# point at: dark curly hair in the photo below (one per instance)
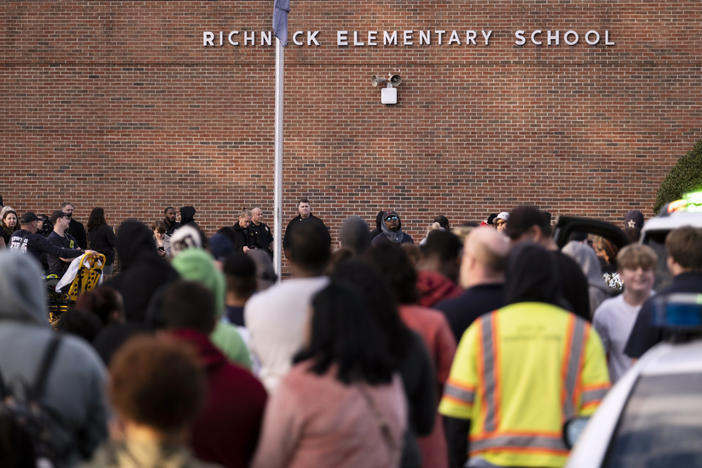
(397, 269)
(343, 334)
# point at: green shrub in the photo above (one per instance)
(685, 176)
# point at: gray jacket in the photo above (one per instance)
(75, 387)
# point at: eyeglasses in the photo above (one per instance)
(392, 218)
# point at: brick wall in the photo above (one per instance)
(118, 104)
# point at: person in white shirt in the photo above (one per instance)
(615, 317)
(276, 318)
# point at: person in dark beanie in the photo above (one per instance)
(528, 223)
(354, 235)
(142, 270)
(187, 218)
(633, 223)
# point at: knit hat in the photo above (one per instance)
(221, 246)
(503, 215)
(355, 234)
(183, 238)
(22, 291)
(634, 219)
(198, 265)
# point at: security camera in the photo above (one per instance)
(395, 80)
(377, 80)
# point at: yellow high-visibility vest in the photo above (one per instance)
(518, 375)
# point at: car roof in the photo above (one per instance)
(673, 221)
(678, 358)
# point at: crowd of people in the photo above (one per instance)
(470, 348)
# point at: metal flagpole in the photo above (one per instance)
(281, 8)
(278, 184)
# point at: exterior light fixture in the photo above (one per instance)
(388, 94)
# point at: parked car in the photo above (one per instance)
(652, 417)
(684, 212)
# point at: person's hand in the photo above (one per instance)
(245, 249)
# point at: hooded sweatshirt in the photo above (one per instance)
(75, 384)
(227, 429)
(142, 270)
(197, 265)
(586, 257)
(388, 235)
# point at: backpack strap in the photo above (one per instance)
(45, 366)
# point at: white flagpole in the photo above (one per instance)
(278, 190)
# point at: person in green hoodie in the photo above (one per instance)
(198, 265)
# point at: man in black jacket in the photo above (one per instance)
(263, 239)
(242, 237)
(58, 264)
(169, 219)
(27, 240)
(76, 229)
(304, 216)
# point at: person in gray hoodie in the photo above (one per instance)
(74, 389)
(586, 257)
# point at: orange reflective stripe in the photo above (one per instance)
(573, 359)
(457, 401)
(553, 435)
(566, 355)
(461, 385)
(498, 366)
(481, 365)
(534, 450)
(597, 386)
(581, 364)
(459, 393)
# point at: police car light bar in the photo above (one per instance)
(678, 311)
(691, 202)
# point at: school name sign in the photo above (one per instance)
(412, 38)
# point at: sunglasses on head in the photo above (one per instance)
(392, 218)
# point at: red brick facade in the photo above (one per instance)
(118, 104)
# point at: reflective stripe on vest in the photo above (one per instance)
(461, 394)
(572, 363)
(490, 377)
(594, 395)
(508, 441)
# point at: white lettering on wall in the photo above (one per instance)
(408, 38)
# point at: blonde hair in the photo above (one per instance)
(636, 255)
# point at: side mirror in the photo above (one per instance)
(572, 429)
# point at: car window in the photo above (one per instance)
(660, 425)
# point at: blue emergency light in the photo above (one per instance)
(678, 311)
